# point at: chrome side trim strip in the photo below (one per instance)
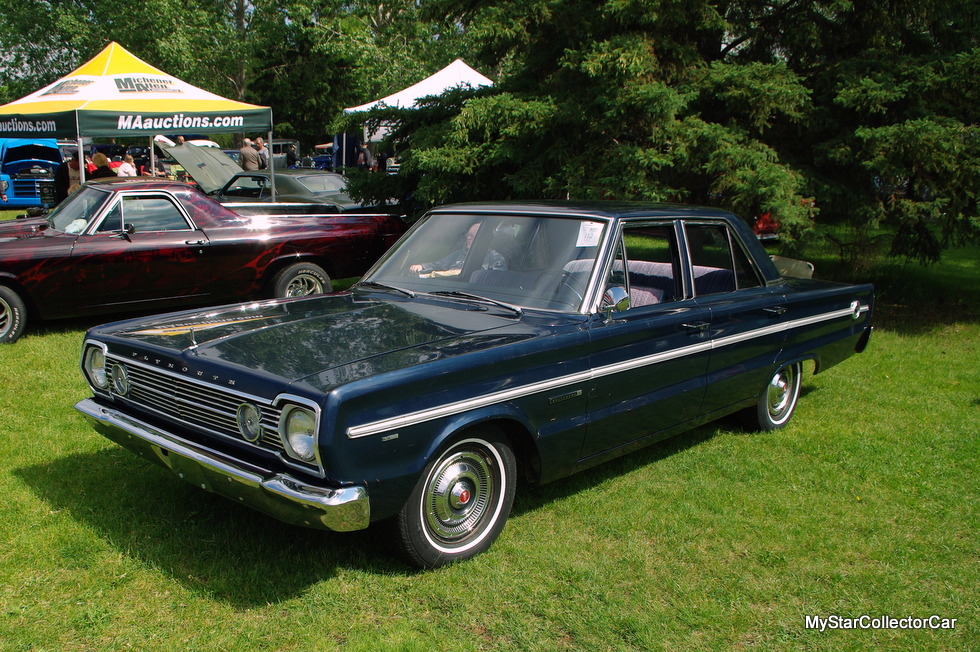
(384, 425)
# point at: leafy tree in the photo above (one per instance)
(866, 110)
(605, 100)
(305, 58)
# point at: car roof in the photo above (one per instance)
(605, 209)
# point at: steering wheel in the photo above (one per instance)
(567, 283)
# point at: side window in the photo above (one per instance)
(647, 264)
(113, 220)
(718, 262)
(152, 214)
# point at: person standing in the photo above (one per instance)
(127, 169)
(263, 153)
(249, 156)
(66, 178)
(102, 169)
(292, 158)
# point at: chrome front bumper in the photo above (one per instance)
(278, 495)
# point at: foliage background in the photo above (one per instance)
(819, 112)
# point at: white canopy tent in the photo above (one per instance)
(454, 75)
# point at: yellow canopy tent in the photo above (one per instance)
(118, 94)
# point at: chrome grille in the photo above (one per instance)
(26, 188)
(196, 404)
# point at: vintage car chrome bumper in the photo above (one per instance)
(280, 496)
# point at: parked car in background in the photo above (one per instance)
(493, 341)
(27, 167)
(224, 180)
(128, 244)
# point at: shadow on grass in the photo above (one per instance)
(214, 546)
(530, 498)
(203, 541)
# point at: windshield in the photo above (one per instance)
(323, 182)
(74, 213)
(531, 262)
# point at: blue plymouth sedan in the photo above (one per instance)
(494, 341)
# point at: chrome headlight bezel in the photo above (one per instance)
(299, 426)
(94, 366)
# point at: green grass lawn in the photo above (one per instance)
(866, 504)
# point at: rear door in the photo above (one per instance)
(746, 318)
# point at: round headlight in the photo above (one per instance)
(298, 426)
(94, 365)
(249, 422)
(120, 379)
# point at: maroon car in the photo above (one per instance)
(127, 245)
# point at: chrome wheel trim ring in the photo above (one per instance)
(6, 318)
(781, 393)
(450, 524)
(303, 285)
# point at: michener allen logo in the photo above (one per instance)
(68, 87)
(146, 85)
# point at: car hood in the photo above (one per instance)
(22, 229)
(211, 168)
(323, 341)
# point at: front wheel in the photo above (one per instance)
(300, 280)
(778, 400)
(13, 315)
(461, 502)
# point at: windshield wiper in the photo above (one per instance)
(476, 297)
(375, 284)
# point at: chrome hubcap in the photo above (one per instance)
(458, 495)
(6, 317)
(780, 393)
(303, 285)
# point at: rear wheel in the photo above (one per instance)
(461, 502)
(13, 315)
(300, 280)
(778, 400)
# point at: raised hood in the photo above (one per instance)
(211, 168)
(324, 340)
(22, 229)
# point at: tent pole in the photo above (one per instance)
(81, 160)
(272, 167)
(153, 159)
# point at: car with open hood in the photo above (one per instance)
(27, 169)
(494, 342)
(130, 244)
(221, 178)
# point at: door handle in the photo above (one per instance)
(775, 311)
(698, 326)
(195, 243)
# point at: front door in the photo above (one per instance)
(649, 360)
(143, 253)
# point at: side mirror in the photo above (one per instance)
(616, 299)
